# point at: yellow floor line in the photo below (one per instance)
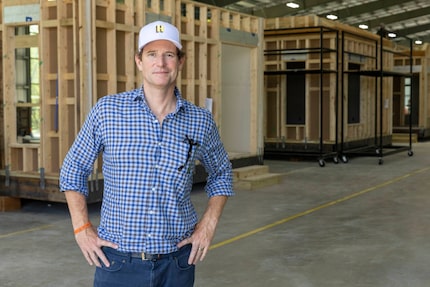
(269, 226)
(25, 231)
(309, 211)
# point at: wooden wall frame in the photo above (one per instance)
(87, 51)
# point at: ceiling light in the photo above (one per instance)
(292, 5)
(331, 17)
(363, 26)
(392, 35)
(418, 42)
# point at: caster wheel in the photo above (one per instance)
(321, 162)
(380, 161)
(336, 160)
(410, 153)
(344, 159)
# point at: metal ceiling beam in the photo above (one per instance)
(409, 33)
(425, 39)
(401, 17)
(405, 42)
(281, 10)
(387, 20)
(365, 8)
(413, 30)
(406, 16)
(219, 3)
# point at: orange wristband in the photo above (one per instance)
(82, 228)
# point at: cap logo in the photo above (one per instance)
(159, 29)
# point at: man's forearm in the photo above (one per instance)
(77, 204)
(214, 210)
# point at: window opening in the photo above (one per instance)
(354, 94)
(296, 83)
(27, 85)
(407, 91)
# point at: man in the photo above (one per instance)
(150, 139)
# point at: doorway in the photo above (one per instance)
(406, 101)
(236, 98)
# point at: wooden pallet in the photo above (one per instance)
(8, 203)
(254, 177)
(404, 138)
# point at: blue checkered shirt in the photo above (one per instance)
(147, 168)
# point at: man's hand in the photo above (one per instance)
(204, 231)
(87, 239)
(200, 240)
(91, 245)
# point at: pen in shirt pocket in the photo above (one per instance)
(191, 143)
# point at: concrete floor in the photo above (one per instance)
(358, 224)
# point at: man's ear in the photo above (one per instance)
(181, 62)
(138, 61)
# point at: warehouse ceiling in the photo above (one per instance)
(403, 17)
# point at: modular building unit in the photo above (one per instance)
(59, 57)
(328, 88)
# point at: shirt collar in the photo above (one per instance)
(140, 96)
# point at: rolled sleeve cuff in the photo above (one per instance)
(71, 179)
(221, 186)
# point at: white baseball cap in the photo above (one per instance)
(159, 30)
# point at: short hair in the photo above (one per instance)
(179, 53)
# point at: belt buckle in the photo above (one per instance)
(144, 256)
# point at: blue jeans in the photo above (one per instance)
(124, 270)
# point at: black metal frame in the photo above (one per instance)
(338, 150)
(320, 153)
(379, 74)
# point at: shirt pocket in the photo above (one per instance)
(175, 157)
(189, 159)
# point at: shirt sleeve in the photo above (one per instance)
(79, 161)
(217, 164)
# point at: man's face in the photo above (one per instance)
(159, 64)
